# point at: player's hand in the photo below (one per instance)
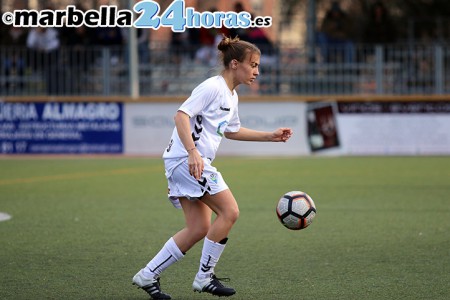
(196, 164)
(281, 135)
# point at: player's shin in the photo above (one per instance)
(168, 255)
(210, 256)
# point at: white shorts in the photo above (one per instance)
(182, 184)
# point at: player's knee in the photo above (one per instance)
(232, 215)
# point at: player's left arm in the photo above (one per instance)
(245, 134)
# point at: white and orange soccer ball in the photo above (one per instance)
(296, 210)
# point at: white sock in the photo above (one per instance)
(210, 256)
(168, 255)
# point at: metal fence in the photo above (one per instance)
(359, 69)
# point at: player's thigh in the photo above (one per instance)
(223, 204)
(196, 213)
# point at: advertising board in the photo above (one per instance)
(60, 128)
(148, 127)
(394, 128)
(144, 128)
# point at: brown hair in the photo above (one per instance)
(234, 48)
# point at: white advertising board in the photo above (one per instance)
(268, 117)
(148, 127)
(407, 128)
(327, 128)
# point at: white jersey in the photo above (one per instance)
(213, 110)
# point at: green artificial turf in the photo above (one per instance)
(82, 227)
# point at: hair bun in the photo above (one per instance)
(226, 42)
(234, 48)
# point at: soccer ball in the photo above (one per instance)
(296, 210)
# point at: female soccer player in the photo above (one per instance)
(210, 113)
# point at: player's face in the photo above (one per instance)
(248, 70)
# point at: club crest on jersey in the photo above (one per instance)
(213, 178)
(221, 128)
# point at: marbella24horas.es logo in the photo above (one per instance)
(145, 14)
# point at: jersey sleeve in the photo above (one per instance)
(235, 123)
(200, 98)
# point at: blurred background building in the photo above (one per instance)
(314, 47)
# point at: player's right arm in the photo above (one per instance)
(195, 161)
